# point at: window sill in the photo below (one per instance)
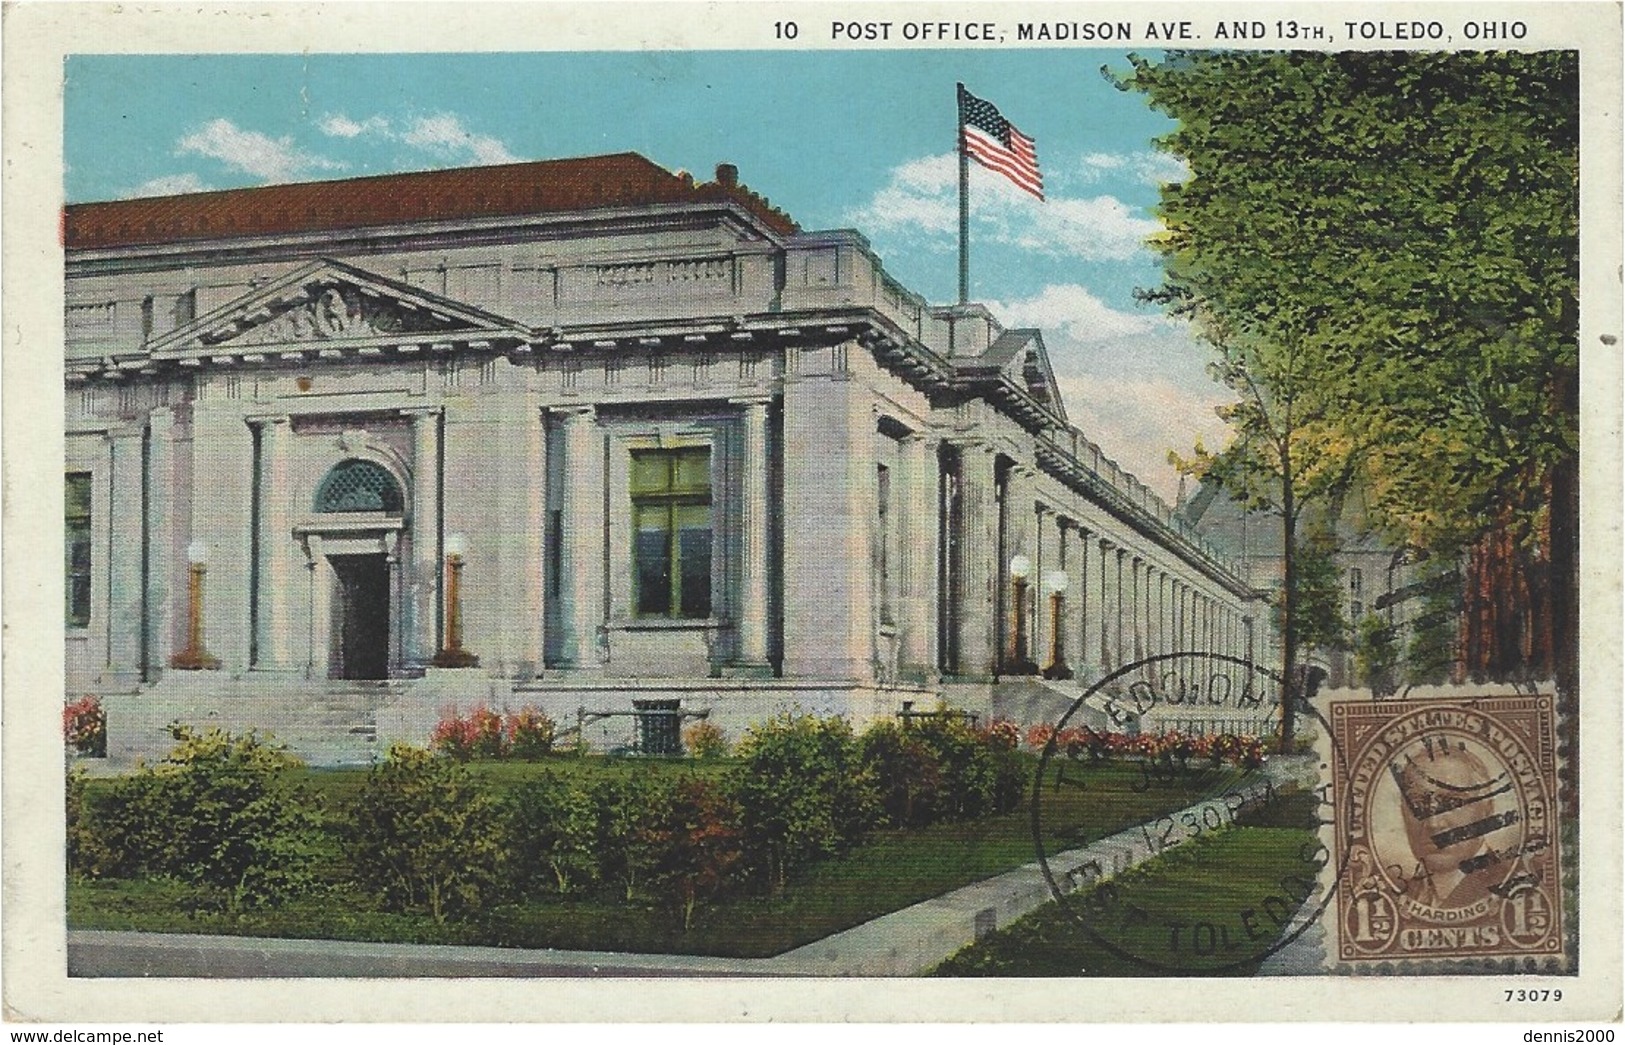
(77, 634)
(668, 624)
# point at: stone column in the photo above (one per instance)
(274, 531)
(583, 537)
(222, 471)
(1164, 638)
(978, 556)
(828, 520)
(511, 639)
(1079, 603)
(320, 581)
(753, 537)
(1123, 604)
(125, 596)
(917, 652)
(161, 524)
(1138, 622)
(424, 576)
(1043, 556)
(1109, 661)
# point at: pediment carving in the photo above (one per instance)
(335, 311)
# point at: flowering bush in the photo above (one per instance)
(1172, 747)
(529, 733)
(84, 727)
(453, 736)
(705, 739)
(698, 848)
(486, 726)
(1001, 734)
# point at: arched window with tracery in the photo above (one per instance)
(359, 486)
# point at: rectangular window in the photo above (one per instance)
(1355, 581)
(671, 517)
(76, 562)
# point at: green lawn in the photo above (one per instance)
(1215, 889)
(894, 869)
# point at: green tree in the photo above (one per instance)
(1318, 621)
(1376, 654)
(1383, 246)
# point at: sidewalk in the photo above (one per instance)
(903, 943)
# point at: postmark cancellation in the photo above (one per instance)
(1446, 834)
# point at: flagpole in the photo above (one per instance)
(964, 199)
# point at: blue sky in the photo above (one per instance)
(838, 139)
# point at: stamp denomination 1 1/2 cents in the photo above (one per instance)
(1446, 830)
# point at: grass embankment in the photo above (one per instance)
(1216, 889)
(894, 869)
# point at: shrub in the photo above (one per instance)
(698, 852)
(552, 828)
(803, 792)
(453, 736)
(1012, 771)
(627, 812)
(80, 840)
(969, 772)
(905, 771)
(217, 812)
(422, 833)
(529, 734)
(706, 739)
(84, 727)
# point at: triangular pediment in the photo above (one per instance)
(1023, 361)
(332, 304)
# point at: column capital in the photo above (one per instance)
(268, 419)
(573, 412)
(415, 412)
(763, 400)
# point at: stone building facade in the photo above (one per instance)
(666, 446)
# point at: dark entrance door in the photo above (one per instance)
(362, 632)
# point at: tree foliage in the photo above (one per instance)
(1383, 248)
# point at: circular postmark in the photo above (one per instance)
(1184, 719)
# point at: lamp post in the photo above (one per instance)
(1055, 582)
(194, 657)
(452, 654)
(1021, 568)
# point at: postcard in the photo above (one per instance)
(701, 511)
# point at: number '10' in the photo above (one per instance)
(785, 30)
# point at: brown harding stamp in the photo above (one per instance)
(1446, 830)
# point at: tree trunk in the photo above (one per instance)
(1289, 609)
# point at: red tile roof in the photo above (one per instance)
(543, 187)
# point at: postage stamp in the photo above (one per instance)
(538, 495)
(1447, 830)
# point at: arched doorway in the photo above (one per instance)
(353, 541)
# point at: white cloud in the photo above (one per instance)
(1136, 420)
(920, 201)
(445, 135)
(1136, 383)
(1150, 166)
(441, 134)
(271, 159)
(166, 185)
(338, 125)
(1074, 311)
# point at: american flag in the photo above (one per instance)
(991, 140)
